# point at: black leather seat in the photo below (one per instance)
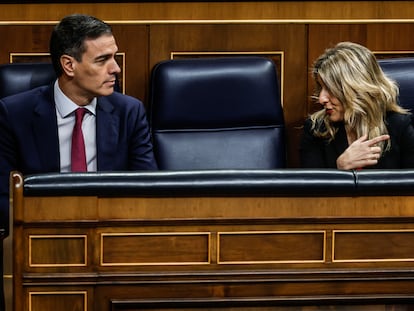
(402, 71)
(217, 113)
(19, 77)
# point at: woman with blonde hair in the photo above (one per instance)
(361, 124)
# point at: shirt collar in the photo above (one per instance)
(65, 106)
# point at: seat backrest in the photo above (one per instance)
(217, 113)
(19, 77)
(402, 71)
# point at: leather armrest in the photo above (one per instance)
(385, 182)
(284, 182)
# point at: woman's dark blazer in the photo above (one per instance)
(319, 153)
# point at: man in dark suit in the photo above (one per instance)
(36, 126)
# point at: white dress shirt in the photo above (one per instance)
(65, 112)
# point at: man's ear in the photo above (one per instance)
(68, 64)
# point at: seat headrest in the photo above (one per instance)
(20, 77)
(215, 92)
(402, 71)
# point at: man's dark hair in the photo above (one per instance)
(68, 37)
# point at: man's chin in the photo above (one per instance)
(106, 91)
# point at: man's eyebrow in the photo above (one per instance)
(103, 56)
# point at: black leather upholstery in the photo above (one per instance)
(402, 71)
(281, 182)
(385, 182)
(217, 113)
(19, 77)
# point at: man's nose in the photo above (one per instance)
(115, 67)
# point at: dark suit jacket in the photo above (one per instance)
(319, 153)
(29, 139)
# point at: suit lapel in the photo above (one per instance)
(46, 133)
(107, 125)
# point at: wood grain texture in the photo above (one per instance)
(217, 10)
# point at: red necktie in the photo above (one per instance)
(78, 156)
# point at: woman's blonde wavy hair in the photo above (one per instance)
(352, 74)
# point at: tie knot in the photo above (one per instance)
(80, 112)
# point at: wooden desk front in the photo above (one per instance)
(201, 253)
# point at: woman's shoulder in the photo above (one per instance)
(398, 121)
(398, 118)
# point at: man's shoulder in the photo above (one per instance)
(122, 97)
(26, 98)
(120, 101)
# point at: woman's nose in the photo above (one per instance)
(323, 97)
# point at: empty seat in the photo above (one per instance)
(217, 113)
